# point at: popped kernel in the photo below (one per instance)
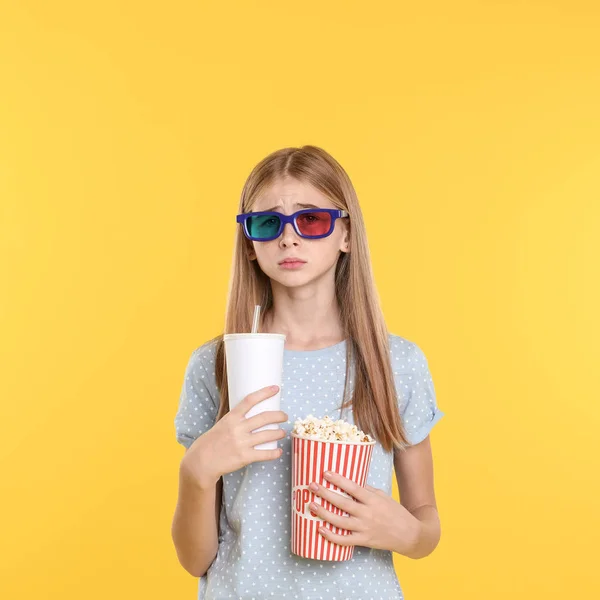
(327, 430)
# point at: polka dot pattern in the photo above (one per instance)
(254, 559)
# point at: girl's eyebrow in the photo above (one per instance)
(297, 204)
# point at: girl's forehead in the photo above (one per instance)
(291, 195)
(288, 190)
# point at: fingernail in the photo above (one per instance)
(314, 487)
(313, 506)
(327, 474)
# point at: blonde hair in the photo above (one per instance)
(374, 400)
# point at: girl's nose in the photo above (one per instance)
(288, 235)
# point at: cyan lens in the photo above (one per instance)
(263, 226)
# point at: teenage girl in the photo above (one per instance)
(301, 252)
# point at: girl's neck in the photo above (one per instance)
(306, 325)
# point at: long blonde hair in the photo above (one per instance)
(373, 401)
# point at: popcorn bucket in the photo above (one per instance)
(310, 458)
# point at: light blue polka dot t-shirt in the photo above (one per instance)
(254, 560)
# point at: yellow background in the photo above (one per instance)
(471, 131)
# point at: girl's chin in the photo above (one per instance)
(292, 278)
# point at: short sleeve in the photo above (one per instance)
(198, 402)
(416, 391)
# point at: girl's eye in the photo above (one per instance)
(309, 218)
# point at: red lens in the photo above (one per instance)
(314, 223)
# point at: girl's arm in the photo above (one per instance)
(414, 474)
(227, 446)
(195, 529)
(375, 519)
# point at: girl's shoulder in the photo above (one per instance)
(202, 364)
(406, 356)
(204, 355)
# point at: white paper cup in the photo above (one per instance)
(254, 361)
(310, 458)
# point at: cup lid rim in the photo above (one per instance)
(232, 336)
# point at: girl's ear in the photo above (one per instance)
(250, 250)
(346, 240)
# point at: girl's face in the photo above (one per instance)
(317, 257)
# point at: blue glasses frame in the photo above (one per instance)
(285, 219)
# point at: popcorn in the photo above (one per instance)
(327, 430)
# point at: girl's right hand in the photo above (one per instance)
(229, 444)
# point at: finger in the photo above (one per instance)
(355, 490)
(335, 498)
(264, 455)
(254, 398)
(266, 435)
(348, 523)
(265, 418)
(343, 540)
(372, 489)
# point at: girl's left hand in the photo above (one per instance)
(375, 519)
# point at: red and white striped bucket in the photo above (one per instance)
(309, 459)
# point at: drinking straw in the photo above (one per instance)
(256, 317)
